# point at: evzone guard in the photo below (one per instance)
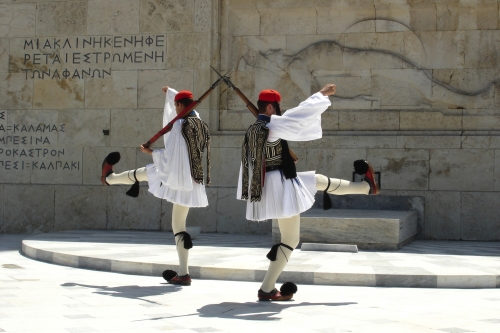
(272, 187)
(176, 173)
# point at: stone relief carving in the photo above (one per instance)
(386, 67)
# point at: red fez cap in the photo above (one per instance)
(183, 94)
(269, 95)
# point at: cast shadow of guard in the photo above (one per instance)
(131, 292)
(249, 310)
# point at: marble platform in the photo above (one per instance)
(368, 229)
(237, 257)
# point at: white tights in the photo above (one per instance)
(179, 213)
(290, 227)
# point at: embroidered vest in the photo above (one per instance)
(197, 137)
(262, 154)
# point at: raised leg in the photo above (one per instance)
(127, 177)
(341, 186)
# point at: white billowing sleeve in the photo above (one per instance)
(172, 162)
(169, 111)
(302, 123)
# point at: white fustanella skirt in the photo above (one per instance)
(197, 197)
(282, 197)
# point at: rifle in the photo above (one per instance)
(249, 105)
(182, 114)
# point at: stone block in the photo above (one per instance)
(61, 165)
(4, 55)
(166, 216)
(235, 120)
(401, 169)
(162, 16)
(84, 127)
(374, 50)
(205, 217)
(16, 92)
(351, 141)
(392, 12)
(58, 94)
(414, 51)
(447, 15)
(333, 163)
(202, 15)
(482, 49)
(442, 214)
(112, 17)
(479, 216)
(284, 21)
(43, 125)
(225, 166)
(368, 120)
(350, 83)
(245, 51)
(447, 49)
(461, 169)
(190, 51)
(496, 174)
(368, 229)
(401, 87)
(244, 22)
(480, 141)
(116, 91)
(28, 208)
(2, 224)
(329, 247)
(141, 55)
(487, 16)
(423, 16)
(18, 20)
(124, 212)
(61, 18)
(429, 142)
(481, 122)
(338, 19)
(150, 83)
(231, 215)
(132, 127)
(94, 156)
(80, 207)
(431, 120)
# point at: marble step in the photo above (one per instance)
(367, 229)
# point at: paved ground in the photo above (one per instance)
(40, 297)
(425, 264)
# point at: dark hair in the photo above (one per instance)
(185, 101)
(262, 105)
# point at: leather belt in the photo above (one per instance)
(274, 167)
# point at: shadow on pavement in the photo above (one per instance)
(248, 310)
(132, 292)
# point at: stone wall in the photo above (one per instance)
(417, 96)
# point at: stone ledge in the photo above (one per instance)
(368, 229)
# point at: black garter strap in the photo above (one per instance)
(134, 190)
(274, 251)
(327, 202)
(186, 238)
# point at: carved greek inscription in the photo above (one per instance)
(27, 147)
(58, 56)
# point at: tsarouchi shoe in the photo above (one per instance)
(107, 165)
(184, 280)
(362, 167)
(273, 295)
